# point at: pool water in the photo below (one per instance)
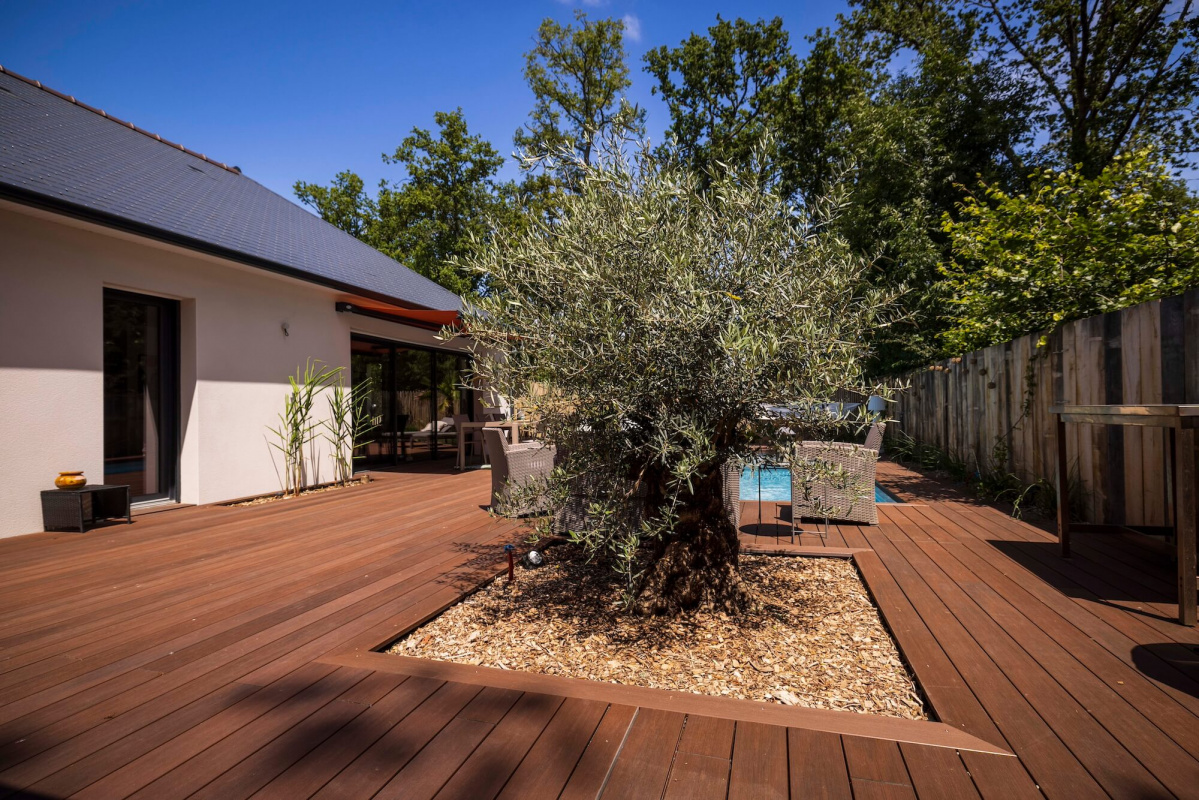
(776, 486)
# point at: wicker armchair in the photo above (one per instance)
(874, 438)
(839, 480)
(515, 465)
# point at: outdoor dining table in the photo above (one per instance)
(512, 425)
(1182, 422)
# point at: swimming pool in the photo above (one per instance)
(776, 486)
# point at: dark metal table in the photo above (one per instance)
(75, 509)
(1182, 422)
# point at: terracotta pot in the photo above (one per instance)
(70, 480)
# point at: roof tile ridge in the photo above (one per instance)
(70, 99)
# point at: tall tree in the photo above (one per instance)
(578, 74)
(911, 127)
(727, 93)
(343, 203)
(898, 93)
(1013, 88)
(446, 206)
(1109, 73)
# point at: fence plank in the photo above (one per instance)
(1154, 439)
(1134, 476)
(1141, 355)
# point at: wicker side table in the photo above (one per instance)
(76, 509)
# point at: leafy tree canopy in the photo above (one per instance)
(916, 99)
(646, 327)
(728, 92)
(1108, 74)
(1071, 247)
(343, 203)
(578, 75)
(448, 204)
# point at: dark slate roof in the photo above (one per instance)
(57, 151)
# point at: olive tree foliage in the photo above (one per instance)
(646, 328)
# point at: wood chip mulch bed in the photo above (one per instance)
(817, 639)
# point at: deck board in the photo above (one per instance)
(759, 769)
(644, 762)
(215, 652)
(817, 765)
(549, 764)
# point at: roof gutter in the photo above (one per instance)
(103, 218)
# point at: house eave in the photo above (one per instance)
(65, 208)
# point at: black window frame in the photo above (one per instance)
(393, 345)
(170, 436)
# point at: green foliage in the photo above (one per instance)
(911, 128)
(915, 131)
(343, 203)
(915, 99)
(447, 206)
(1069, 248)
(448, 203)
(297, 429)
(1108, 75)
(647, 326)
(927, 97)
(727, 93)
(578, 76)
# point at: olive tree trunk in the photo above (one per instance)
(696, 567)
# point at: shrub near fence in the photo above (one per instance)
(1001, 395)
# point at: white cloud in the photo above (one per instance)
(632, 27)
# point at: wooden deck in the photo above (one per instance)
(227, 653)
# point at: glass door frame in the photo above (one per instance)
(169, 437)
(391, 411)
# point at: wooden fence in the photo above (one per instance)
(1001, 396)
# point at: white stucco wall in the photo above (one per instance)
(235, 358)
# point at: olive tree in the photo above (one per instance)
(646, 328)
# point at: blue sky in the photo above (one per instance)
(302, 90)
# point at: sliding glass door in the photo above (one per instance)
(414, 399)
(371, 368)
(141, 394)
(414, 394)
